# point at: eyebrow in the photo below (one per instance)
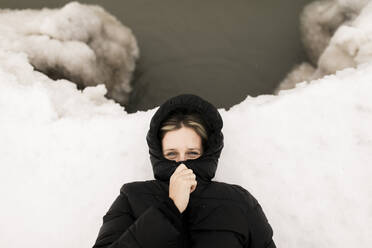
(172, 149)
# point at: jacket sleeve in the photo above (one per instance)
(261, 233)
(158, 226)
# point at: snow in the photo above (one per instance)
(79, 42)
(305, 154)
(337, 34)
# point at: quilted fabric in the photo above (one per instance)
(218, 215)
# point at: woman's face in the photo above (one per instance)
(182, 144)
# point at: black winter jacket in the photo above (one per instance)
(218, 214)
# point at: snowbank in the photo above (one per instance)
(81, 43)
(336, 34)
(64, 154)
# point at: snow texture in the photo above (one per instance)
(305, 154)
(81, 43)
(336, 34)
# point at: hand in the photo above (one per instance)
(181, 184)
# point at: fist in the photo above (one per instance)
(181, 184)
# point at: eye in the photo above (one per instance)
(170, 154)
(194, 153)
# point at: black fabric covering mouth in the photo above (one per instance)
(205, 166)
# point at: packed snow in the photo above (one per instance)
(337, 34)
(79, 42)
(305, 154)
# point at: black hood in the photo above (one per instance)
(205, 166)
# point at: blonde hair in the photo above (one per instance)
(178, 120)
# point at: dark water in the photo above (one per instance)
(220, 49)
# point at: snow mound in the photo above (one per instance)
(79, 42)
(336, 34)
(64, 154)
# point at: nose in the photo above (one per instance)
(181, 157)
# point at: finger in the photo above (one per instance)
(186, 177)
(192, 182)
(193, 186)
(181, 167)
(191, 176)
(186, 172)
(183, 172)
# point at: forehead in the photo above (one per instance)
(183, 138)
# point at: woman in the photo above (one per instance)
(182, 207)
